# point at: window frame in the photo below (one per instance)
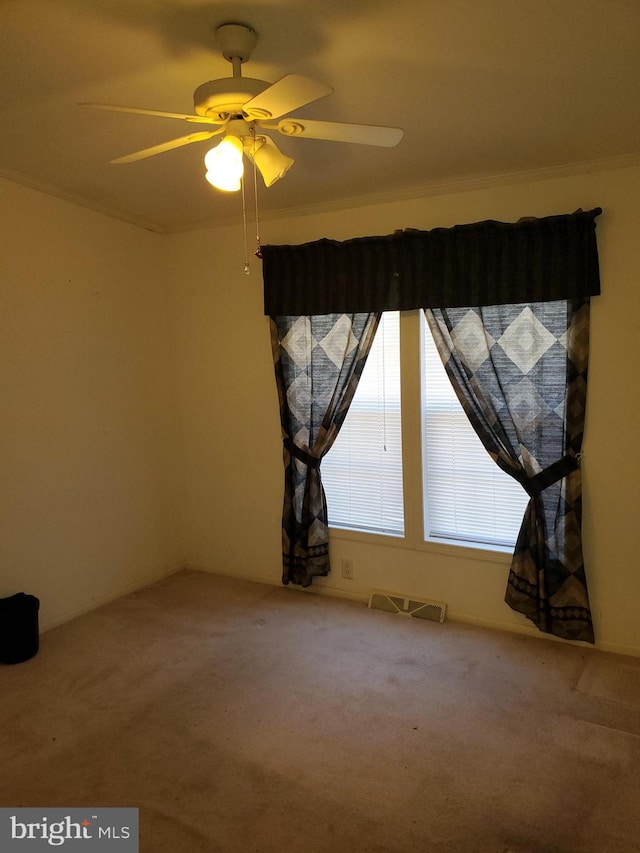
(412, 327)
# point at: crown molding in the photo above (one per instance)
(440, 189)
(80, 201)
(602, 164)
(468, 185)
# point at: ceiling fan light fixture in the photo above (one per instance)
(271, 162)
(224, 164)
(235, 106)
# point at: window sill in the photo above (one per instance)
(447, 547)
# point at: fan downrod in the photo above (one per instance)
(220, 99)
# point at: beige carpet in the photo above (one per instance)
(242, 717)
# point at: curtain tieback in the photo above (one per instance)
(302, 455)
(552, 474)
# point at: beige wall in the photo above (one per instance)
(139, 415)
(228, 404)
(87, 432)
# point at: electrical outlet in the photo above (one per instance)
(347, 569)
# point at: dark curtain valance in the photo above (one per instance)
(485, 263)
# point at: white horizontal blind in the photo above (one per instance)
(467, 496)
(362, 473)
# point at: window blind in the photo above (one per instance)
(468, 497)
(362, 473)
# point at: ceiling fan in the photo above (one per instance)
(242, 108)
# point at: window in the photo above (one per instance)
(465, 497)
(362, 473)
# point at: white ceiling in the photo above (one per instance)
(482, 88)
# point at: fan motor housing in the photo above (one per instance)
(221, 98)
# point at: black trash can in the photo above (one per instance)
(19, 632)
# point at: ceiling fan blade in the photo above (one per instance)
(335, 131)
(285, 95)
(167, 146)
(139, 111)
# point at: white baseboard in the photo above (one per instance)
(147, 580)
(531, 631)
(322, 588)
(619, 649)
(241, 576)
(513, 627)
(318, 588)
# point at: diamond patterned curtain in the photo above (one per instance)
(318, 363)
(520, 372)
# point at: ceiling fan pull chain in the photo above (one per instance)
(247, 268)
(258, 252)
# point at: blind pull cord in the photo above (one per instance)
(384, 391)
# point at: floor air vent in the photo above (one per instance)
(434, 611)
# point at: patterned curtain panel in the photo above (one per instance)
(318, 363)
(520, 372)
